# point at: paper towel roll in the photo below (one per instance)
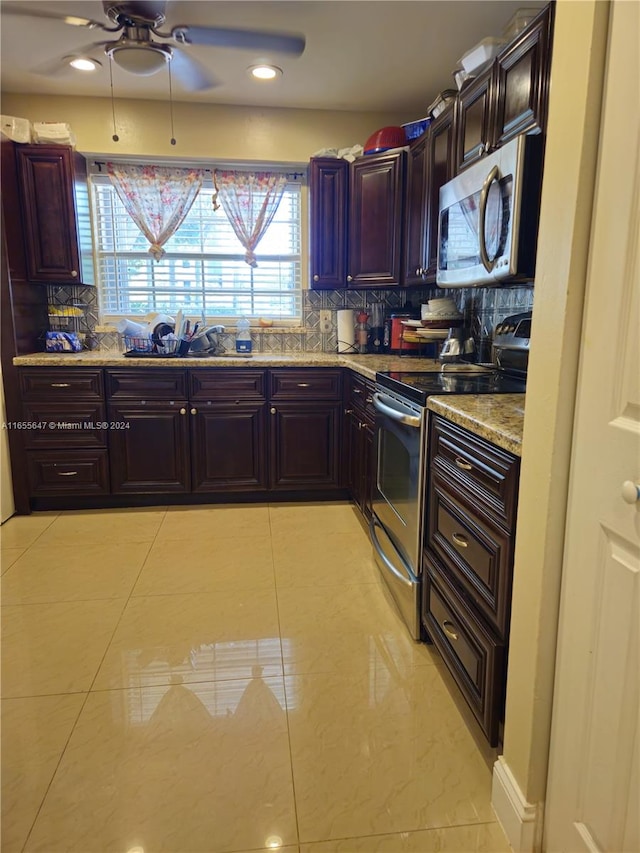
(346, 331)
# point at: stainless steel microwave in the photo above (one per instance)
(488, 218)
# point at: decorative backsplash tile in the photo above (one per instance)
(483, 309)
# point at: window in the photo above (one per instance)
(203, 270)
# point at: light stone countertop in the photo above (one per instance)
(497, 417)
(365, 365)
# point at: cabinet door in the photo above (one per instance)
(376, 207)
(473, 123)
(416, 213)
(440, 169)
(49, 214)
(305, 445)
(228, 446)
(328, 188)
(522, 82)
(151, 454)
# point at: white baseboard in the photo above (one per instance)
(520, 820)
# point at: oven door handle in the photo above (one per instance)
(408, 420)
(374, 539)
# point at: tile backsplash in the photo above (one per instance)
(483, 309)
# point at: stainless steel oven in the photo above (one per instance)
(400, 488)
(396, 524)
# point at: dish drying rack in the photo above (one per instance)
(150, 348)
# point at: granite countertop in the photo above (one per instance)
(497, 417)
(365, 365)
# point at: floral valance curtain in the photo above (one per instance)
(250, 200)
(157, 198)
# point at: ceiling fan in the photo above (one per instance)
(137, 51)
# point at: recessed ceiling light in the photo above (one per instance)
(264, 72)
(83, 63)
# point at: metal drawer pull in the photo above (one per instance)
(462, 464)
(183, 411)
(303, 384)
(460, 540)
(451, 634)
(357, 391)
(66, 473)
(60, 384)
(194, 411)
(369, 399)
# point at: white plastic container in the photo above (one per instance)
(17, 129)
(519, 22)
(243, 336)
(482, 53)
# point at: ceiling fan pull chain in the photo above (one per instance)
(115, 136)
(173, 141)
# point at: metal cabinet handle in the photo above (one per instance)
(61, 385)
(630, 492)
(316, 278)
(460, 540)
(451, 634)
(348, 411)
(304, 384)
(369, 399)
(66, 473)
(466, 466)
(349, 278)
(74, 274)
(357, 391)
(183, 411)
(194, 411)
(273, 411)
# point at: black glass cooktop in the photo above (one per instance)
(418, 386)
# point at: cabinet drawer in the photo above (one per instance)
(71, 425)
(61, 384)
(474, 657)
(155, 384)
(312, 383)
(225, 383)
(59, 472)
(362, 396)
(486, 472)
(475, 550)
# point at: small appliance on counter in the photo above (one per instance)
(510, 348)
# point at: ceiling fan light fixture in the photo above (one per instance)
(142, 59)
(264, 72)
(84, 63)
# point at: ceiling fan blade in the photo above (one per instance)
(26, 11)
(190, 72)
(247, 39)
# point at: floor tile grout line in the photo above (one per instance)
(86, 698)
(44, 529)
(438, 828)
(284, 683)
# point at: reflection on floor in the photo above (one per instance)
(223, 680)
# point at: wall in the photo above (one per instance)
(563, 240)
(201, 130)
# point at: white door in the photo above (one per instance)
(593, 795)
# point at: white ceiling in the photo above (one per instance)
(360, 54)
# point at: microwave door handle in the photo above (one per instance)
(484, 195)
(408, 420)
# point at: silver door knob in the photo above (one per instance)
(630, 492)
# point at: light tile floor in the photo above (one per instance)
(223, 680)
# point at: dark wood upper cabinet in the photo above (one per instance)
(522, 81)
(55, 214)
(474, 119)
(328, 190)
(376, 208)
(440, 169)
(416, 212)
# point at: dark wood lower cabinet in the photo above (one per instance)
(149, 450)
(228, 447)
(176, 431)
(305, 445)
